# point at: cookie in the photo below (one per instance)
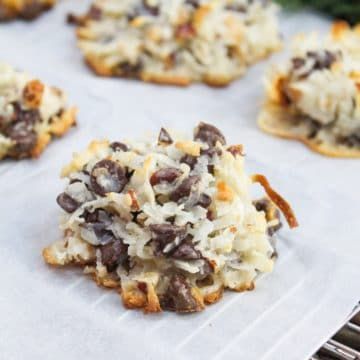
(24, 9)
(177, 42)
(31, 114)
(169, 223)
(315, 96)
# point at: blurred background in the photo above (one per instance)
(348, 10)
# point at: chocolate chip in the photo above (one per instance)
(167, 175)
(67, 203)
(104, 236)
(184, 189)
(171, 219)
(270, 214)
(209, 134)
(206, 281)
(25, 140)
(153, 10)
(297, 62)
(323, 59)
(24, 117)
(275, 254)
(32, 10)
(320, 60)
(204, 200)
(94, 13)
(25, 122)
(189, 160)
(113, 254)
(98, 222)
(119, 146)
(314, 128)
(107, 176)
(164, 234)
(99, 217)
(313, 54)
(262, 205)
(3, 122)
(194, 3)
(211, 169)
(351, 141)
(133, 13)
(178, 296)
(273, 229)
(210, 215)
(129, 70)
(207, 268)
(186, 251)
(142, 286)
(74, 19)
(21, 130)
(237, 8)
(129, 173)
(164, 137)
(236, 150)
(185, 31)
(30, 117)
(210, 152)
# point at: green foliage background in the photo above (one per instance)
(343, 9)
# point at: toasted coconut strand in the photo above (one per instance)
(134, 202)
(69, 251)
(214, 296)
(153, 304)
(107, 280)
(279, 201)
(133, 298)
(195, 292)
(245, 287)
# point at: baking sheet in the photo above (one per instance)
(60, 314)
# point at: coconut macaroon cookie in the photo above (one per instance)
(315, 96)
(24, 9)
(31, 113)
(169, 223)
(177, 41)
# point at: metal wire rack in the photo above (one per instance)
(345, 344)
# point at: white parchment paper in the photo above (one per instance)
(60, 314)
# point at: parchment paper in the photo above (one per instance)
(61, 314)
